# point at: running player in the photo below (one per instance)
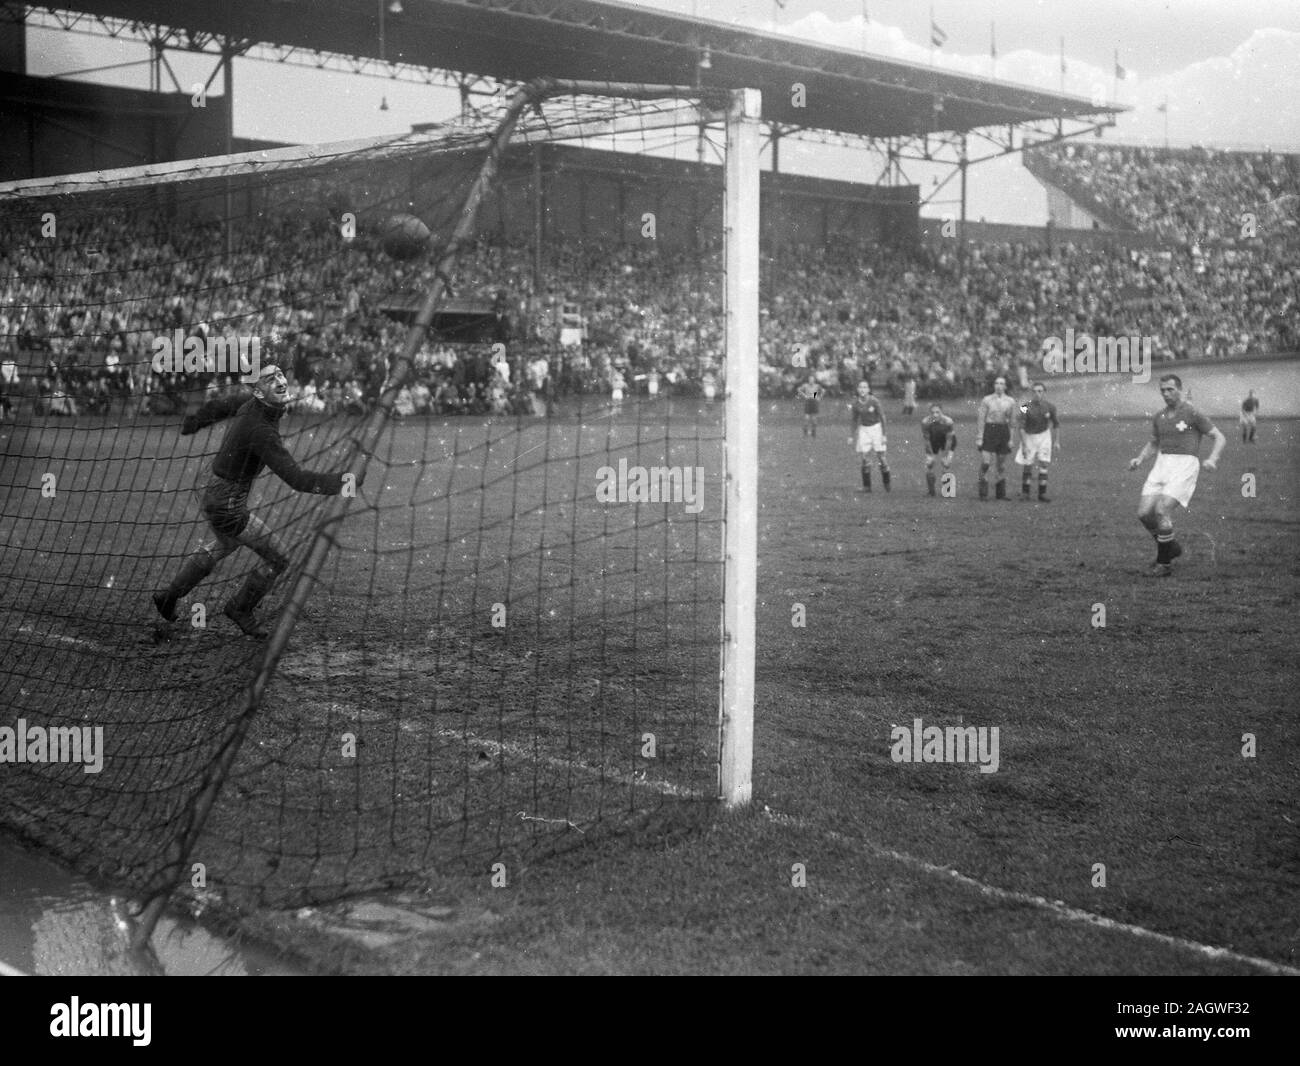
(1176, 434)
(997, 414)
(1040, 440)
(251, 443)
(939, 433)
(867, 419)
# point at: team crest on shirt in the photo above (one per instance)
(1181, 426)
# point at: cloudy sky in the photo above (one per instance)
(1228, 69)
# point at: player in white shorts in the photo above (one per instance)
(868, 421)
(1040, 440)
(1176, 434)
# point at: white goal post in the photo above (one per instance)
(740, 550)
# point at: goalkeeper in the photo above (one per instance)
(251, 443)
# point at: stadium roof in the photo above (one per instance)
(516, 40)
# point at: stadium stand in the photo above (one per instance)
(78, 318)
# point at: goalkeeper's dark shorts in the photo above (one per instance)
(225, 506)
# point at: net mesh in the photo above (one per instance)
(512, 645)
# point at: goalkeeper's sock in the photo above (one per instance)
(195, 569)
(240, 608)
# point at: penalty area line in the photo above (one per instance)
(520, 751)
(1056, 907)
(29, 631)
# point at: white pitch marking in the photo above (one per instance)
(29, 631)
(522, 752)
(1054, 906)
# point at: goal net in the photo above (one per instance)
(505, 338)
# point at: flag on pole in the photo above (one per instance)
(937, 37)
(993, 42)
(1062, 55)
(1120, 72)
(1163, 107)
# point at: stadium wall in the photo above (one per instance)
(931, 230)
(600, 197)
(54, 126)
(1217, 388)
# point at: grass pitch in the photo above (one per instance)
(1121, 746)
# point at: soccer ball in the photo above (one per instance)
(404, 236)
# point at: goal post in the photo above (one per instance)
(741, 227)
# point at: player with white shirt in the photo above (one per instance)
(993, 425)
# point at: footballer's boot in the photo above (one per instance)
(1000, 490)
(984, 489)
(1160, 570)
(240, 608)
(195, 569)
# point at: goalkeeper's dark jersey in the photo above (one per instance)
(253, 442)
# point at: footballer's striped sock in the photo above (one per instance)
(1024, 480)
(929, 481)
(1042, 484)
(866, 477)
(1164, 545)
(884, 476)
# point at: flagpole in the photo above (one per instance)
(1062, 64)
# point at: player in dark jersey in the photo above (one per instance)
(1040, 440)
(1249, 417)
(939, 434)
(1176, 434)
(867, 419)
(252, 443)
(810, 392)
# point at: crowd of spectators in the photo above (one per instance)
(89, 308)
(1187, 196)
